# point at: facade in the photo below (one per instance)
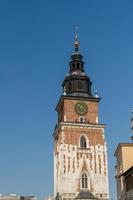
(27, 198)
(16, 197)
(9, 197)
(128, 181)
(124, 169)
(80, 150)
(124, 161)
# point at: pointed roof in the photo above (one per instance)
(77, 83)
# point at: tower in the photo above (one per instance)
(80, 150)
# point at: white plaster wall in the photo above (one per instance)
(68, 182)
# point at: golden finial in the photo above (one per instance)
(76, 42)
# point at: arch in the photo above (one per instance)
(83, 143)
(84, 181)
(77, 65)
(73, 64)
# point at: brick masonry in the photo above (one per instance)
(70, 160)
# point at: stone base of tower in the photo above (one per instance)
(83, 194)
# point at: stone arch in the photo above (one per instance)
(83, 141)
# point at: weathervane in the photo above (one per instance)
(76, 42)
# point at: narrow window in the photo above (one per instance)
(73, 66)
(81, 119)
(69, 86)
(83, 142)
(77, 65)
(84, 181)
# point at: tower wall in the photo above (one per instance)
(71, 161)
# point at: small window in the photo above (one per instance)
(81, 119)
(84, 181)
(82, 142)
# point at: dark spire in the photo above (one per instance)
(76, 63)
(77, 83)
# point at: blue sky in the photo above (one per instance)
(36, 41)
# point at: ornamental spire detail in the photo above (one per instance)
(76, 42)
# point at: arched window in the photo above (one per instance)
(73, 66)
(84, 181)
(82, 142)
(77, 65)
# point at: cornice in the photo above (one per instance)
(77, 125)
(90, 98)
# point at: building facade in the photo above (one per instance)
(80, 149)
(124, 161)
(128, 181)
(16, 197)
(124, 169)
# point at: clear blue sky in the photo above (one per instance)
(36, 41)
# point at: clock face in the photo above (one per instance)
(81, 108)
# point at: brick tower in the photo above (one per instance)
(80, 152)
